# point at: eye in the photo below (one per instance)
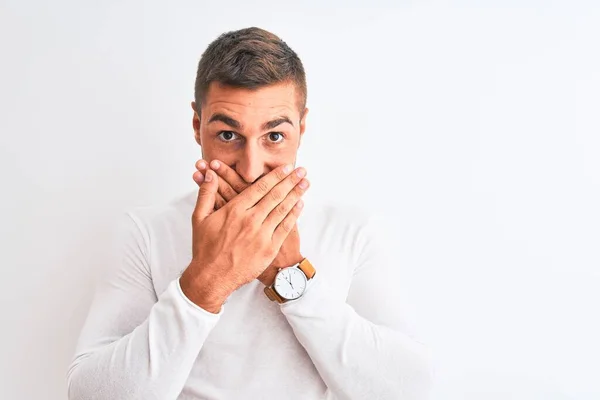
(276, 137)
(227, 136)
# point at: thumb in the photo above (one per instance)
(206, 196)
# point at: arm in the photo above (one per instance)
(360, 347)
(134, 345)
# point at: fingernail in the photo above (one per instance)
(287, 169)
(202, 165)
(215, 164)
(208, 177)
(303, 184)
(301, 172)
(300, 203)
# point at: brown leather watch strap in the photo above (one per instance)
(273, 296)
(307, 268)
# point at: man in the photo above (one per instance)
(238, 307)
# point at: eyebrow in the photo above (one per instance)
(225, 119)
(276, 122)
(236, 125)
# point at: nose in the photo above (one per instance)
(251, 165)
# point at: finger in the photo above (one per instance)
(206, 197)
(258, 190)
(229, 175)
(286, 226)
(278, 194)
(225, 188)
(198, 177)
(201, 165)
(226, 191)
(219, 201)
(280, 212)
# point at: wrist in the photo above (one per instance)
(268, 276)
(202, 290)
(286, 260)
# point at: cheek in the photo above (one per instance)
(216, 151)
(275, 159)
(287, 153)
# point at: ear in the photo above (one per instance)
(302, 124)
(196, 124)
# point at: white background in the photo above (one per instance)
(474, 125)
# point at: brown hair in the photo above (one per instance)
(249, 58)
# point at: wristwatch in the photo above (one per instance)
(291, 282)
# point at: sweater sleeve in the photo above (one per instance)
(361, 346)
(135, 344)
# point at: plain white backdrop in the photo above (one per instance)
(474, 126)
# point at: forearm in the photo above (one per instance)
(356, 358)
(151, 362)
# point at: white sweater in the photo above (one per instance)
(344, 339)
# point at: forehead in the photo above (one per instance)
(261, 102)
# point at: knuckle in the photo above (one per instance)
(276, 194)
(225, 173)
(196, 218)
(269, 253)
(281, 210)
(239, 187)
(252, 221)
(264, 239)
(204, 190)
(280, 174)
(235, 212)
(234, 203)
(294, 211)
(229, 193)
(262, 187)
(260, 243)
(286, 226)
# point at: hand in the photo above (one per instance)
(230, 185)
(234, 245)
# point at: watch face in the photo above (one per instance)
(290, 283)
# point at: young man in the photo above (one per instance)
(237, 307)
